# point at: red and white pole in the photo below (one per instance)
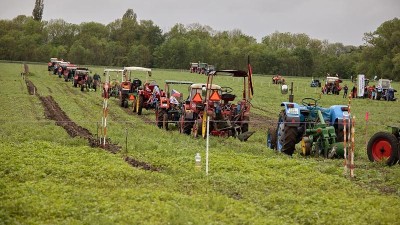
(352, 146)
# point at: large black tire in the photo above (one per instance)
(140, 105)
(186, 126)
(286, 138)
(339, 132)
(134, 105)
(245, 125)
(378, 96)
(159, 118)
(271, 137)
(165, 120)
(383, 145)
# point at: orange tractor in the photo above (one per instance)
(210, 100)
(168, 109)
(278, 79)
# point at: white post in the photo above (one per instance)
(208, 137)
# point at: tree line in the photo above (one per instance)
(128, 41)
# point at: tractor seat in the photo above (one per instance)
(136, 82)
(228, 97)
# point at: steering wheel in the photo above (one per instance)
(309, 102)
(226, 89)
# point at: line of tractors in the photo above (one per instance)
(80, 76)
(319, 130)
(227, 119)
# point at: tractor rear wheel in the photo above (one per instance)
(245, 124)
(165, 120)
(186, 126)
(286, 138)
(159, 118)
(383, 146)
(140, 105)
(378, 95)
(271, 137)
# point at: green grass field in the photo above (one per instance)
(47, 177)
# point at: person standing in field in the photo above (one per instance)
(345, 88)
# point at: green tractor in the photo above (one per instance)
(318, 129)
(320, 139)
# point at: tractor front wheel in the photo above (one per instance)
(134, 108)
(383, 146)
(140, 105)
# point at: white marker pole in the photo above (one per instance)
(208, 137)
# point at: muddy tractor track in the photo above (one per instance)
(31, 87)
(53, 111)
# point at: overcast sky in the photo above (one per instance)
(343, 21)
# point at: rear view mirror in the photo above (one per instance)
(284, 89)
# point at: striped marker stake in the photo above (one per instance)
(366, 128)
(345, 144)
(352, 146)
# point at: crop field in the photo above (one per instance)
(50, 173)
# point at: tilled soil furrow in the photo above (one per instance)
(53, 111)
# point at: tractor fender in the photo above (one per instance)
(292, 114)
(337, 112)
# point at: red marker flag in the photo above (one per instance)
(250, 78)
(366, 116)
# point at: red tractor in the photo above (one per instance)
(169, 107)
(145, 96)
(129, 88)
(81, 77)
(148, 96)
(210, 100)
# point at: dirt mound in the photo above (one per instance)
(53, 111)
(136, 163)
(31, 87)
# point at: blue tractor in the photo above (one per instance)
(320, 130)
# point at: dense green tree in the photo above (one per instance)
(128, 41)
(381, 55)
(37, 12)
